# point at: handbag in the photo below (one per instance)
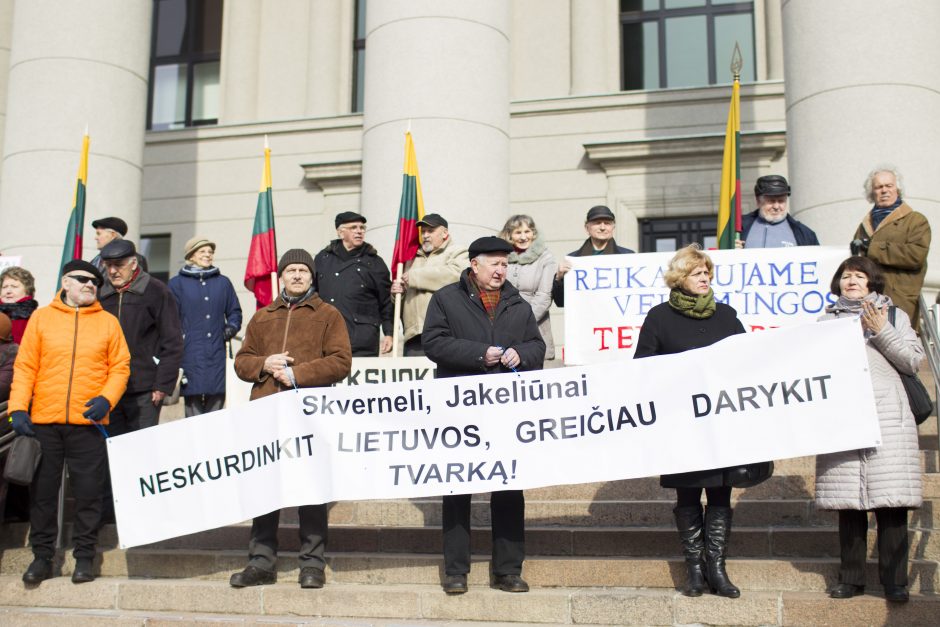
(748, 475)
(22, 460)
(917, 396)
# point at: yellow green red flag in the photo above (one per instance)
(410, 210)
(262, 253)
(729, 206)
(72, 249)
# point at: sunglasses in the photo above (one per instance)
(81, 278)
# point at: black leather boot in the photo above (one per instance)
(717, 533)
(689, 524)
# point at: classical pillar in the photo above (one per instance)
(860, 93)
(241, 41)
(329, 77)
(773, 32)
(595, 63)
(72, 64)
(442, 67)
(6, 30)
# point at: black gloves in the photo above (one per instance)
(859, 246)
(229, 333)
(98, 408)
(22, 425)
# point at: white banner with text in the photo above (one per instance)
(608, 296)
(753, 397)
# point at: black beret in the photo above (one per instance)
(489, 244)
(348, 216)
(600, 212)
(78, 264)
(432, 220)
(115, 224)
(772, 185)
(118, 249)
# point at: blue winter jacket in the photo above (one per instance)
(207, 304)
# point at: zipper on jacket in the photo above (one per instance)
(290, 308)
(120, 302)
(68, 394)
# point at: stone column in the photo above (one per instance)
(6, 31)
(241, 41)
(443, 67)
(773, 32)
(72, 64)
(595, 63)
(858, 97)
(329, 62)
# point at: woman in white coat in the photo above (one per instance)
(531, 271)
(885, 479)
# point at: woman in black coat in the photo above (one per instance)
(692, 319)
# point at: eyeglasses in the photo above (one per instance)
(81, 278)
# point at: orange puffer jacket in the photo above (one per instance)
(68, 356)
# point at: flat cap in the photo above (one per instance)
(195, 243)
(600, 212)
(295, 255)
(84, 266)
(118, 249)
(432, 221)
(115, 224)
(348, 216)
(772, 185)
(489, 244)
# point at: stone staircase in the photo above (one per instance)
(598, 554)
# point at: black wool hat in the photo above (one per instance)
(489, 244)
(118, 249)
(295, 255)
(772, 185)
(348, 216)
(600, 212)
(115, 224)
(84, 266)
(432, 221)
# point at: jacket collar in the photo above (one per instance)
(508, 290)
(138, 286)
(438, 251)
(587, 248)
(530, 255)
(59, 304)
(902, 211)
(336, 247)
(313, 301)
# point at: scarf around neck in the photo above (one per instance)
(878, 214)
(698, 307)
(293, 300)
(198, 272)
(851, 306)
(530, 255)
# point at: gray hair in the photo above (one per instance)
(870, 179)
(515, 222)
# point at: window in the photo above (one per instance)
(684, 43)
(184, 63)
(671, 234)
(156, 248)
(359, 57)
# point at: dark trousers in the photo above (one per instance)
(893, 545)
(83, 449)
(507, 511)
(716, 497)
(133, 412)
(262, 548)
(413, 347)
(202, 404)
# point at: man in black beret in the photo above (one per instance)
(352, 277)
(771, 225)
(481, 325)
(108, 230)
(599, 224)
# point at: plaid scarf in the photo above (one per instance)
(490, 299)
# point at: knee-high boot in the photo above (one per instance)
(689, 524)
(717, 533)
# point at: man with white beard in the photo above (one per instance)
(771, 225)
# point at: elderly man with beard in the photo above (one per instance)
(296, 341)
(352, 277)
(71, 370)
(439, 262)
(771, 225)
(482, 325)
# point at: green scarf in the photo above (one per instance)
(698, 307)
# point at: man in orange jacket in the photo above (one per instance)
(72, 367)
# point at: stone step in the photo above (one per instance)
(426, 569)
(138, 602)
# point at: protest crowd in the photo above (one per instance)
(115, 342)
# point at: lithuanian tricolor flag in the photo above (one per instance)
(410, 210)
(72, 249)
(729, 207)
(262, 254)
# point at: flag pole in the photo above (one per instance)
(396, 320)
(275, 287)
(737, 62)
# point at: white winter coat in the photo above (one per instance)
(888, 475)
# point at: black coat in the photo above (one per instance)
(803, 235)
(587, 248)
(457, 330)
(357, 283)
(665, 331)
(150, 320)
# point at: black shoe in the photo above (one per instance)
(897, 594)
(717, 535)
(455, 584)
(38, 571)
(311, 577)
(847, 591)
(253, 576)
(511, 583)
(84, 570)
(690, 523)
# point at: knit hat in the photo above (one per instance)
(84, 266)
(115, 224)
(295, 255)
(195, 243)
(6, 328)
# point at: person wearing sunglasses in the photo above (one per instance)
(72, 368)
